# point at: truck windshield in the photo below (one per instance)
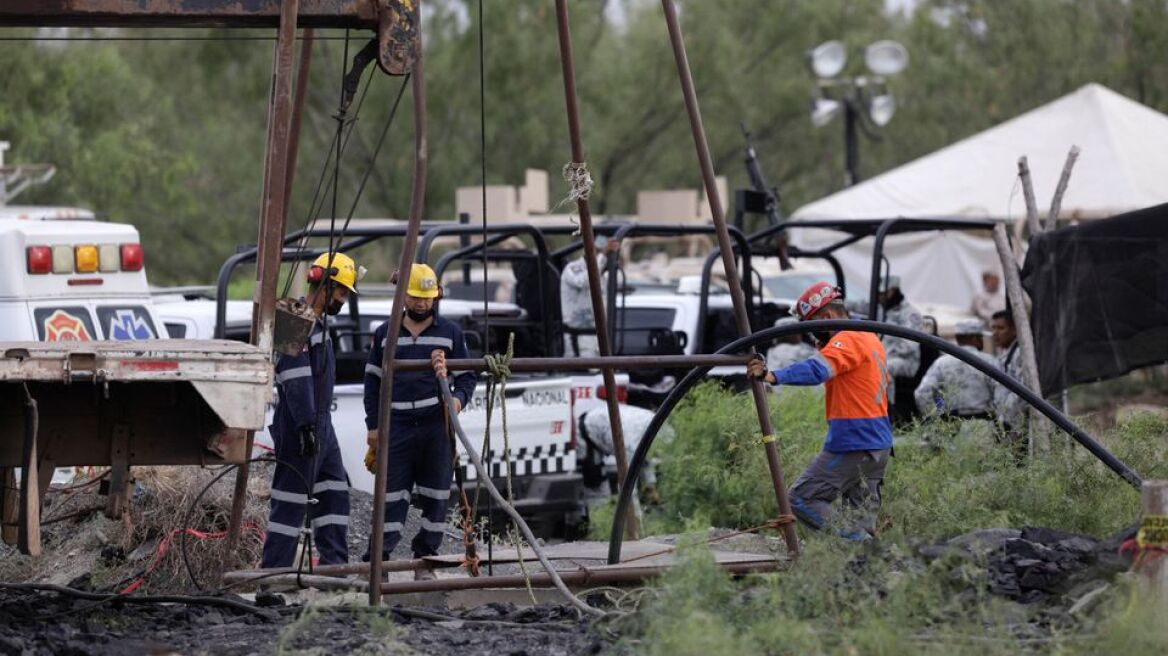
(639, 331)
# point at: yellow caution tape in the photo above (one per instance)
(766, 439)
(1153, 532)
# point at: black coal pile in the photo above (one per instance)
(1035, 565)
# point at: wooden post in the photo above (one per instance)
(1028, 194)
(1017, 298)
(1056, 203)
(1153, 538)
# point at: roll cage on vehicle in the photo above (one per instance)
(535, 324)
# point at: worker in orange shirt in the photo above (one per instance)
(851, 367)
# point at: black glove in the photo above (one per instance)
(307, 441)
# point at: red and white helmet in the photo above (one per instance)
(815, 298)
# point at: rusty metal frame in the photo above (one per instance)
(758, 389)
(600, 320)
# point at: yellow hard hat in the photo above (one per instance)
(340, 267)
(423, 281)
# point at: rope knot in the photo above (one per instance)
(580, 186)
(499, 364)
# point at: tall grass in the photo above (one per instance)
(946, 479)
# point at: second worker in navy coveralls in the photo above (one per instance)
(309, 469)
(420, 455)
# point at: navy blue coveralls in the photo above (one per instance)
(304, 385)
(420, 459)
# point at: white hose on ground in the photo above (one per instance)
(485, 477)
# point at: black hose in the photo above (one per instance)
(695, 375)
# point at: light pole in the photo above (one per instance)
(863, 99)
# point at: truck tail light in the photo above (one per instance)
(107, 258)
(132, 257)
(39, 259)
(87, 259)
(622, 393)
(62, 259)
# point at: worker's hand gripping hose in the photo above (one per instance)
(484, 476)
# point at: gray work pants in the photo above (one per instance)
(856, 476)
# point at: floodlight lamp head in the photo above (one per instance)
(827, 59)
(823, 110)
(881, 108)
(886, 57)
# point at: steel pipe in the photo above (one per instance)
(615, 362)
(278, 163)
(742, 318)
(989, 369)
(599, 315)
(417, 205)
(337, 570)
(581, 577)
(354, 14)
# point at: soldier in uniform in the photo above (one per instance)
(576, 301)
(595, 446)
(952, 388)
(1009, 408)
(790, 349)
(904, 355)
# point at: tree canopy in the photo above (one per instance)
(169, 135)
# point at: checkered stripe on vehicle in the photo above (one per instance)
(526, 461)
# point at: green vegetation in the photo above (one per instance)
(170, 135)
(844, 598)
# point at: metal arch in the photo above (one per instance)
(696, 375)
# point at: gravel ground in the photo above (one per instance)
(47, 623)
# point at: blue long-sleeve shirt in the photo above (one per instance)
(415, 391)
(304, 384)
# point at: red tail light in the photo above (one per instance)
(131, 257)
(40, 259)
(622, 393)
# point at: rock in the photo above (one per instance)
(11, 646)
(1041, 576)
(212, 617)
(1021, 549)
(83, 582)
(269, 599)
(1078, 545)
(1086, 602)
(985, 541)
(491, 611)
(451, 624)
(1048, 536)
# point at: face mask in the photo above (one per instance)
(419, 316)
(334, 308)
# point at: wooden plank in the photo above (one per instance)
(9, 505)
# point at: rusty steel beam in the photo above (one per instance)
(612, 362)
(588, 237)
(273, 212)
(246, 575)
(708, 177)
(352, 14)
(409, 247)
(581, 577)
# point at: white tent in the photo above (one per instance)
(1124, 152)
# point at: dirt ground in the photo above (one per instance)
(49, 623)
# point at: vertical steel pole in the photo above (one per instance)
(740, 316)
(409, 246)
(598, 311)
(273, 211)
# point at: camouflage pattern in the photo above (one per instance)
(576, 305)
(1009, 407)
(903, 355)
(783, 355)
(952, 387)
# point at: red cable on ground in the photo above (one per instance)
(164, 546)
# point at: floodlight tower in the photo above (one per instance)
(865, 100)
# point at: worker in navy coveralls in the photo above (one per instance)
(302, 429)
(420, 456)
